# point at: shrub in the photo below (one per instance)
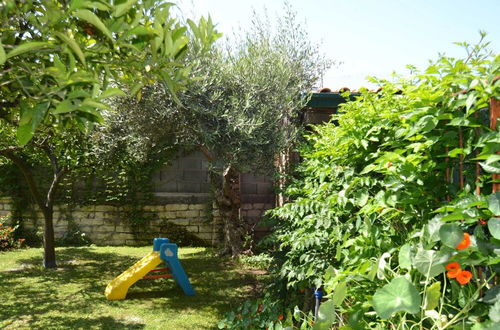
(7, 237)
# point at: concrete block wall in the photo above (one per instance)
(186, 174)
(105, 224)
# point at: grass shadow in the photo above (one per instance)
(38, 297)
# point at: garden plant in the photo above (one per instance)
(393, 212)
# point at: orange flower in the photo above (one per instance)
(280, 317)
(464, 277)
(453, 269)
(260, 308)
(465, 243)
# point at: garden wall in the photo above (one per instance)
(186, 222)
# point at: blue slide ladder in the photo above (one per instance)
(169, 254)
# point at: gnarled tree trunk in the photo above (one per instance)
(233, 229)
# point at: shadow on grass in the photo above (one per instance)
(36, 297)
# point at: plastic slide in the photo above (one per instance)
(117, 289)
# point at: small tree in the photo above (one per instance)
(58, 61)
(241, 109)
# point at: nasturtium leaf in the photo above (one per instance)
(431, 231)
(339, 293)
(92, 18)
(492, 295)
(326, 316)
(404, 257)
(397, 296)
(433, 293)
(494, 227)
(494, 203)
(451, 235)
(430, 262)
(494, 313)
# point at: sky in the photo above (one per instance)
(369, 38)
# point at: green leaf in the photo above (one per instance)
(424, 124)
(24, 134)
(39, 112)
(451, 235)
(493, 168)
(430, 261)
(494, 203)
(494, 313)
(326, 316)
(471, 99)
(494, 227)
(492, 295)
(111, 92)
(64, 107)
(91, 18)
(141, 31)
(432, 296)
(404, 257)
(123, 8)
(73, 45)
(397, 296)
(29, 47)
(339, 293)
(95, 104)
(3, 56)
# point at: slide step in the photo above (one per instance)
(159, 270)
(153, 277)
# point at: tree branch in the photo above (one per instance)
(206, 152)
(9, 153)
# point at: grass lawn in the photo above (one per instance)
(72, 296)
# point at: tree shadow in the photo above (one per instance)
(79, 282)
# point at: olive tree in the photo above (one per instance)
(59, 61)
(241, 111)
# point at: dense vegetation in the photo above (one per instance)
(392, 211)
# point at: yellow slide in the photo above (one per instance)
(117, 288)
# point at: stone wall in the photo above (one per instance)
(107, 225)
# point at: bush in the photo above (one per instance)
(387, 211)
(7, 236)
(261, 261)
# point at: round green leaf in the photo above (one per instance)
(430, 262)
(405, 257)
(494, 227)
(494, 313)
(326, 316)
(494, 203)
(398, 296)
(451, 235)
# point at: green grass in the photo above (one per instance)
(72, 296)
